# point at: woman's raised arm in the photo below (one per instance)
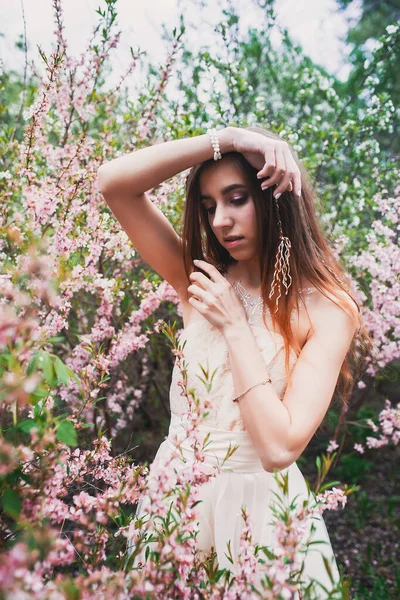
(123, 182)
(144, 169)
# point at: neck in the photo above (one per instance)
(249, 278)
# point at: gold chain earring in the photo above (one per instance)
(282, 264)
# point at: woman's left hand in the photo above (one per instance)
(215, 298)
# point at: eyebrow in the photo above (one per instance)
(225, 190)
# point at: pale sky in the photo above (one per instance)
(317, 25)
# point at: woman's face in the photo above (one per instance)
(230, 208)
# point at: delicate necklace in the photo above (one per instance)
(253, 307)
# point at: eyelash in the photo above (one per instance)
(236, 201)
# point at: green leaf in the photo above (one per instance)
(11, 503)
(48, 369)
(33, 364)
(27, 425)
(61, 370)
(269, 554)
(74, 376)
(66, 433)
(40, 393)
(219, 574)
(328, 568)
(328, 485)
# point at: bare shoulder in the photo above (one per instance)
(332, 313)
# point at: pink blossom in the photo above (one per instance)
(332, 446)
(331, 499)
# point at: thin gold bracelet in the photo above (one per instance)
(268, 380)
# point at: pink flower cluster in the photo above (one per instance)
(330, 499)
(388, 429)
(381, 260)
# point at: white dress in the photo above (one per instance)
(243, 482)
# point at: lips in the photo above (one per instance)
(233, 239)
(233, 243)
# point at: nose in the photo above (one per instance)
(221, 217)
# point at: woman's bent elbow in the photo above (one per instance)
(278, 464)
(101, 179)
(272, 467)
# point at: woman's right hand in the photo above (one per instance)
(271, 156)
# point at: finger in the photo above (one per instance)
(295, 182)
(197, 291)
(287, 176)
(289, 187)
(196, 303)
(200, 279)
(214, 274)
(280, 168)
(269, 167)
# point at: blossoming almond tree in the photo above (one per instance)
(75, 306)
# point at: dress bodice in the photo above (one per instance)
(206, 346)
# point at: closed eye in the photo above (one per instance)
(235, 201)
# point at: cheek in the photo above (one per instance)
(249, 214)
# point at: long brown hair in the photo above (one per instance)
(311, 257)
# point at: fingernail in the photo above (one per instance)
(278, 195)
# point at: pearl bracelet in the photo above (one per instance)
(268, 380)
(215, 143)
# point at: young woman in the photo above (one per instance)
(270, 311)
